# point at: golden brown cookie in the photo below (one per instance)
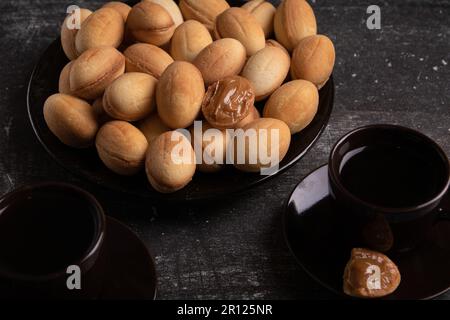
(147, 58)
(72, 120)
(313, 60)
(241, 25)
(149, 22)
(189, 39)
(221, 59)
(179, 94)
(270, 143)
(121, 147)
(296, 103)
(170, 163)
(204, 11)
(294, 20)
(103, 28)
(264, 12)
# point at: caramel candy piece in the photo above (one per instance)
(228, 101)
(370, 274)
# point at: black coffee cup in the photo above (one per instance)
(387, 181)
(51, 243)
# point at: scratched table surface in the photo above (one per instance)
(234, 249)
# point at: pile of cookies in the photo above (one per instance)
(138, 73)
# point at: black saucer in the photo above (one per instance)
(131, 270)
(312, 232)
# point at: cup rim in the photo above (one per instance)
(335, 177)
(91, 251)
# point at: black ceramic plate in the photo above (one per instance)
(85, 163)
(130, 270)
(311, 227)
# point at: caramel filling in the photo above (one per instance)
(228, 101)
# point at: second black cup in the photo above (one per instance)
(49, 233)
(387, 181)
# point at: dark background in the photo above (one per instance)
(234, 249)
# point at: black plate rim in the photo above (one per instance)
(162, 197)
(298, 259)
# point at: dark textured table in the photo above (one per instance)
(234, 248)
